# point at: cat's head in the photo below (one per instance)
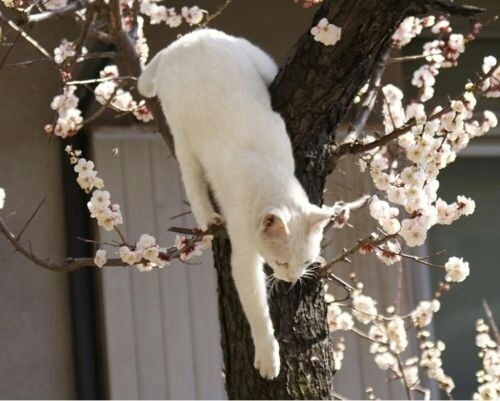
(289, 241)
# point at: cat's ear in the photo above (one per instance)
(273, 224)
(318, 218)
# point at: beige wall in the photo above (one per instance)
(35, 331)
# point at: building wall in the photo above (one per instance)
(36, 359)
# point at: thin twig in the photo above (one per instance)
(412, 58)
(370, 240)
(57, 13)
(97, 80)
(491, 320)
(26, 37)
(366, 108)
(9, 50)
(216, 14)
(405, 381)
(30, 219)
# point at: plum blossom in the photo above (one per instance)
(385, 361)
(491, 85)
(456, 269)
(365, 309)
(392, 109)
(87, 176)
(188, 250)
(489, 376)
(326, 33)
(466, 206)
(66, 50)
(129, 256)
(423, 313)
(407, 30)
(388, 253)
(193, 15)
(146, 248)
(338, 319)
(414, 231)
(396, 335)
(142, 113)
(69, 118)
(100, 258)
(173, 19)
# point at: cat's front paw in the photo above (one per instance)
(216, 220)
(267, 359)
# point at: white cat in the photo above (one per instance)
(214, 92)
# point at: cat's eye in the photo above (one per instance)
(308, 262)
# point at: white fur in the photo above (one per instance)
(213, 89)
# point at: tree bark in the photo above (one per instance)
(312, 91)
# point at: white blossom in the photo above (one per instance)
(364, 308)
(128, 256)
(423, 313)
(396, 335)
(193, 15)
(100, 258)
(407, 30)
(326, 33)
(338, 319)
(388, 253)
(456, 269)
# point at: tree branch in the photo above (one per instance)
(60, 12)
(73, 264)
(127, 50)
(324, 270)
(26, 37)
(453, 8)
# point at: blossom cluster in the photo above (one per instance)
(109, 93)
(160, 13)
(432, 364)
(69, 117)
(410, 28)
(389, 338)
(489, 376)
(188, 250)
(66, 50)
(442, 52)
(146, 254)
(407, 203)
(491, 85)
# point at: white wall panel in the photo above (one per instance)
(161, 327)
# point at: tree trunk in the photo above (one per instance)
(312, 92)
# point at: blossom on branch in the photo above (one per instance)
(100, 258)
(326, 33)
(69, 119)
(456, 269)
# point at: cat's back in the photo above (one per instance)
(208, 64)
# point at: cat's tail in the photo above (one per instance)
(265, 65)
(146, 84)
